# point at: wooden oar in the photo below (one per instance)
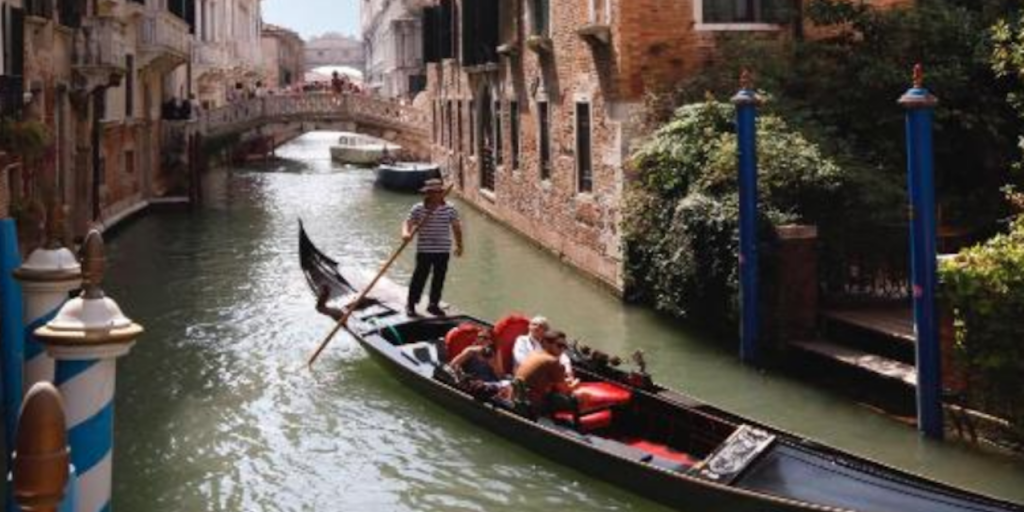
(343, 321)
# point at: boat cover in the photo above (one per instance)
(797, 473)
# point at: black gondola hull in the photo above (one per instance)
(794, 474)
(663, 487)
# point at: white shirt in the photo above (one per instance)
(526, 344)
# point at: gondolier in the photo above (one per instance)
(433, 245)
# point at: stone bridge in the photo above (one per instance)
(278, 119)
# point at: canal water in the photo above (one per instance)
(217, 411)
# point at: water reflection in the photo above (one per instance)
(216, 410)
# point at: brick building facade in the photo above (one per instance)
(534, 104)
(95, 76)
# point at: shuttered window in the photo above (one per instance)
(12, 61)
(584, 163)
(472, 127)
(129, 87)
(451, 122)
(481, 29)
(540, 25)
(446, 29)
(513, 117)
(544, 134)
(458, 115)
(499, 150)
(744, 11)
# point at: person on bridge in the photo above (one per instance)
(433, 245)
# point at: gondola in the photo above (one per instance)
(406, 176)
(657, 442)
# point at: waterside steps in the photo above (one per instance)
(868, 351)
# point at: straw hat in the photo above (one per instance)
(432, 185)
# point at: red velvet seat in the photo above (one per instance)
(594, 396)
(587, 422)
(505, 333)
(460, 338)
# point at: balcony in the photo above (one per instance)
(597, 34)
(210, 55)
(165, 40)
(99, 53)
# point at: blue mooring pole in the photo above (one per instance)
(920, 106)
(12, 354)
(746, 102)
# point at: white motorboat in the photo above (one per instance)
(358, 149)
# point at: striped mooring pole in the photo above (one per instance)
(12, 332)
(920, 105)
(746, 102)
(47, 278)
(86, 338)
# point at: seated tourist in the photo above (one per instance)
(556, 343)
(480, 360)
(482, 364)
(530, 342)
(543, 373)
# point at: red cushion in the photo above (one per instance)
(505, 333)
(459, 338)
(594, 396)
(588, 422)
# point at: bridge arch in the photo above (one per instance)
(282, 118)
(274, 120)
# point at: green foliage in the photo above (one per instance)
(841, 83)
(681, 217)
(26, 139)
(669, 168)
(985, 287)
(1008, 62)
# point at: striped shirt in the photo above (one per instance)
(436, 235)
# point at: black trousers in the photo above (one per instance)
(426, 263)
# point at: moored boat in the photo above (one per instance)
(355, 149)
(406, 176)
(655, 441)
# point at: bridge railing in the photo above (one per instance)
(320, 106)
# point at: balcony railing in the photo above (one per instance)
(165, 34)
(363, 109)
(103, 47)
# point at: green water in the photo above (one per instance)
(216, 410)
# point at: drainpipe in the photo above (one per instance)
(99, 101)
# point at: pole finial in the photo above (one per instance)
(746, 79)
(918, 76)
(40, 465)
(55, 226)
(93, 265)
